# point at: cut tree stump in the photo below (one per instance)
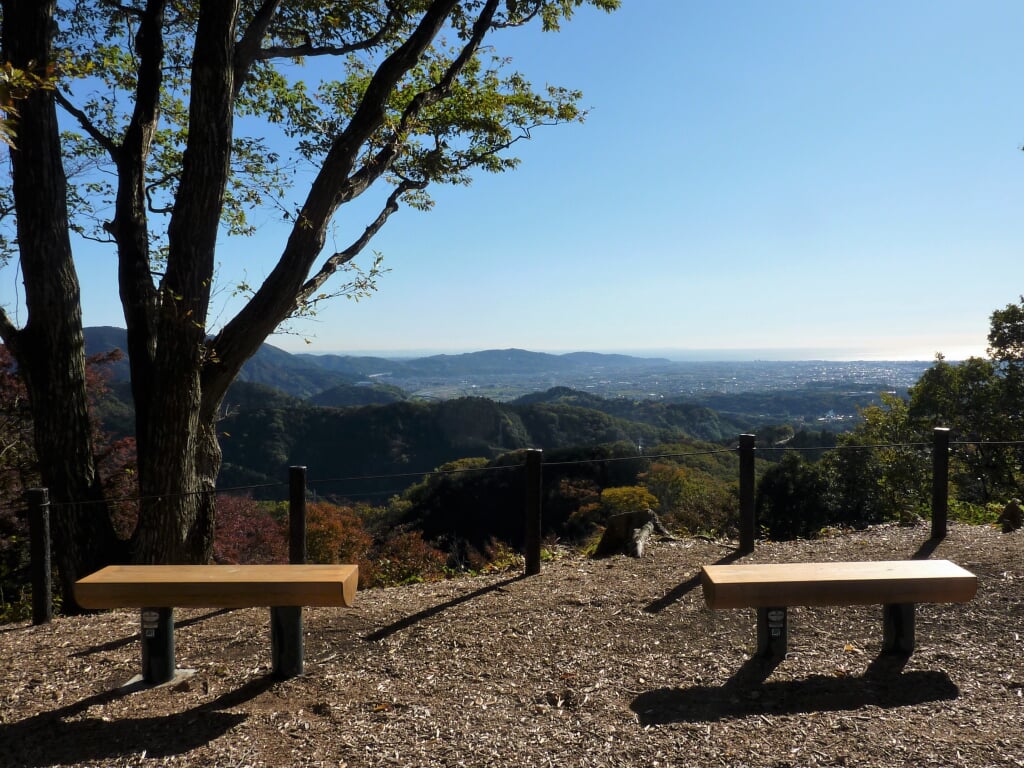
(628, 533)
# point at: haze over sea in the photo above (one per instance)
(702, 355)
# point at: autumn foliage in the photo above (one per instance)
(249, 531)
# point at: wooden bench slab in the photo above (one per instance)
(758, 585)
(218, 586)
(159, 589)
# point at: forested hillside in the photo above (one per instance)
(259, 443)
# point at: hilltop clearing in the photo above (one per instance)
(592, 663)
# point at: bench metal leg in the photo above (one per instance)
(157, 645)
(286, 642)
(772, 633)
(898, 628)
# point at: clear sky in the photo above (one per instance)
(834, 179)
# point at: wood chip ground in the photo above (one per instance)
(592, 663)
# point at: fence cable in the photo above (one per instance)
(507, 467)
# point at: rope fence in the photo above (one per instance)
(40, 506)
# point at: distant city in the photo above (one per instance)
(659, 379)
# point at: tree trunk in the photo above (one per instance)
(50, 349)
(177, 477)
(178, 453)
(628, 533)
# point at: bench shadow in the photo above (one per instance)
(426, 613)
(680, 591)
(884, 684)
(71, 735)
(121, 642)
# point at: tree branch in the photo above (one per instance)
(87, 125)
(382, 161)
(9, 332)
(129, 226)
(274, 301)
(339, 259)
(248, 47)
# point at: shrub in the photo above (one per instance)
(405, 558)
(336, 535)
(246, 532)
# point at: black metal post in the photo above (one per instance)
(39, 552)
(286, 641)
(748, 526)
(940, 482)
(287, 646)
(297, 515)
(157, 645)
(898, 628)
(534, 462)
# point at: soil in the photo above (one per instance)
(613, 662)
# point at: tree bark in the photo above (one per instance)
(50, 348)
(178, 453)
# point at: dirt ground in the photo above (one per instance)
(611, 662)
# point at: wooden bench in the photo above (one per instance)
(158, 589)
(896, 585)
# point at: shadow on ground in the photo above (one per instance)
(681, 590)
(73, 734)
(121, 642)
(434, 610)
(884, 684)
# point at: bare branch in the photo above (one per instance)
(339, 259)
(308, 49)
(87, 125)
(149, 196)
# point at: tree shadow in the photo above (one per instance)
(926, 550)
(433, 610)
(72, 735)
(121, 642)
(884, 684)
(680, 591)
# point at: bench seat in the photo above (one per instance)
(896, 584)
(158, 589)
(758, 585)
(218, 586)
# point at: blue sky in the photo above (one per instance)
(800, 179)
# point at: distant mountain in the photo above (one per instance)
(348, 395)
(290, 373)
(102, 339)
(498, 362)
(305, 375)
(271, 366)
(490, 362)
(351, 365)
(692, 419)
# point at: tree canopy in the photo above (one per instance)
(166, 126)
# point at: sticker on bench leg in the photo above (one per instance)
(157, 645)
(772, 632)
